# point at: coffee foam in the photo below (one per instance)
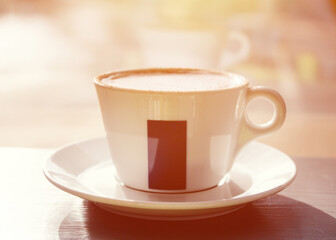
(173, 82)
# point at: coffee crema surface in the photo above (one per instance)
(173, 82)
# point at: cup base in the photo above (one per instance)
(224, 179)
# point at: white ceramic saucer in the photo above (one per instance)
(85, 169)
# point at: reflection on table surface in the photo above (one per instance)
(304, 210)
(50, 51)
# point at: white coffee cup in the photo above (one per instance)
(179, 130)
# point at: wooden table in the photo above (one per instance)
(32, 208)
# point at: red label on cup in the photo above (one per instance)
(167, 154)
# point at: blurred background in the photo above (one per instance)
(51, 50)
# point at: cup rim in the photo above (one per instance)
(123, 73)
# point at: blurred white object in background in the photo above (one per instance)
(193, 48)
(188, 33)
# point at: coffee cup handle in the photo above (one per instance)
(233, 56)
(250, 130)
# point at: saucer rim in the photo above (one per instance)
(129, 203)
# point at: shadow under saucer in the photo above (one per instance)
(275, 217)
